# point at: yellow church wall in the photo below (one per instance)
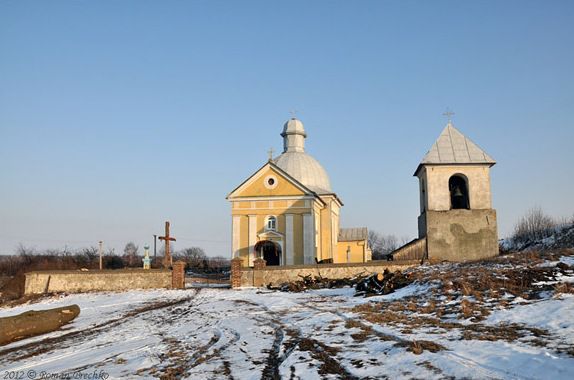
(257, 186)
(244, 240)
(300, 203)
(329, 228)
(358, 253)
(242, 204)
(326, 250)
(317, 207)
(261, 215)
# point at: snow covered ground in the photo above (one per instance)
(258, 333)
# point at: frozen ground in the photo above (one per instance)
(255, 333)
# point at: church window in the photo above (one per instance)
(270, 182)
(458, 187)
(271, 224)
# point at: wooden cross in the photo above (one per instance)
(167, 261)
(270, 153)
(448, 113)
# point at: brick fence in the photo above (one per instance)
(178, 275)
(261, 275)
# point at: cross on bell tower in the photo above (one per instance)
(448, 113)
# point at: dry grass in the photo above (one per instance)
(471, 291)
(564, 288)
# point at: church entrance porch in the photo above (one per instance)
(269, 251)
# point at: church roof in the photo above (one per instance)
(298, 163)
(353, 234)
(293, 126)
(452, 147)
(306, 170)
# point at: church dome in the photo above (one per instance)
(293, 126)
(297, 163)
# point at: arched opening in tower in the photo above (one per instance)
(458, 187)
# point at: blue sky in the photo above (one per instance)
(118, 115)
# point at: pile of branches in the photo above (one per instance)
(382, 283)
(316, 282)
(376, 284)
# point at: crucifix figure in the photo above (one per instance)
(448, 114)
(167, 262)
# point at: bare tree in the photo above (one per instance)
(534, 225)
(390, 243)
(375, 242)
(194, 256)
(382, 245)
(90, 253)
(130, 253)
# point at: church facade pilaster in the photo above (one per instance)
(308, 239)
(236, 235)
(252, 238)
(289, 241)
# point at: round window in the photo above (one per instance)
(270, 182)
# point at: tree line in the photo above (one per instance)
(28, 259)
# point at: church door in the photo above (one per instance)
(271, 253)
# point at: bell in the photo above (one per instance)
(457, 192)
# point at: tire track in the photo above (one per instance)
(486, 371)
(318, 350)
(72, 338)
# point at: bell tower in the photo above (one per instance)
(456, 214)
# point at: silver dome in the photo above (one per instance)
(306, 170)
(299, 164)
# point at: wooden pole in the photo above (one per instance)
(100, 252)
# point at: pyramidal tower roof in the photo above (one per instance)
(452, 147)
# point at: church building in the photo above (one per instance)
(287, 214)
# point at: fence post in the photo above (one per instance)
(236, 272)
(258, 267)
(178, 275)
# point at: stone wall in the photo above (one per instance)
(96, 280)
(277, 275)
(461, 235)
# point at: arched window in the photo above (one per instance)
(271, 223)
(458, 187)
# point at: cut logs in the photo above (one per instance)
(382, 283)
(315, 282)
(375, 284)
(32, 323)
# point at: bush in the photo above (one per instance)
(535, 225)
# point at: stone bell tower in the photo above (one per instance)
(456, 217)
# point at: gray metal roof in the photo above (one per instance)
(452, 147)
(353, 234)
(305, 169)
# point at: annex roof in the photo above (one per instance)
(353, 234)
